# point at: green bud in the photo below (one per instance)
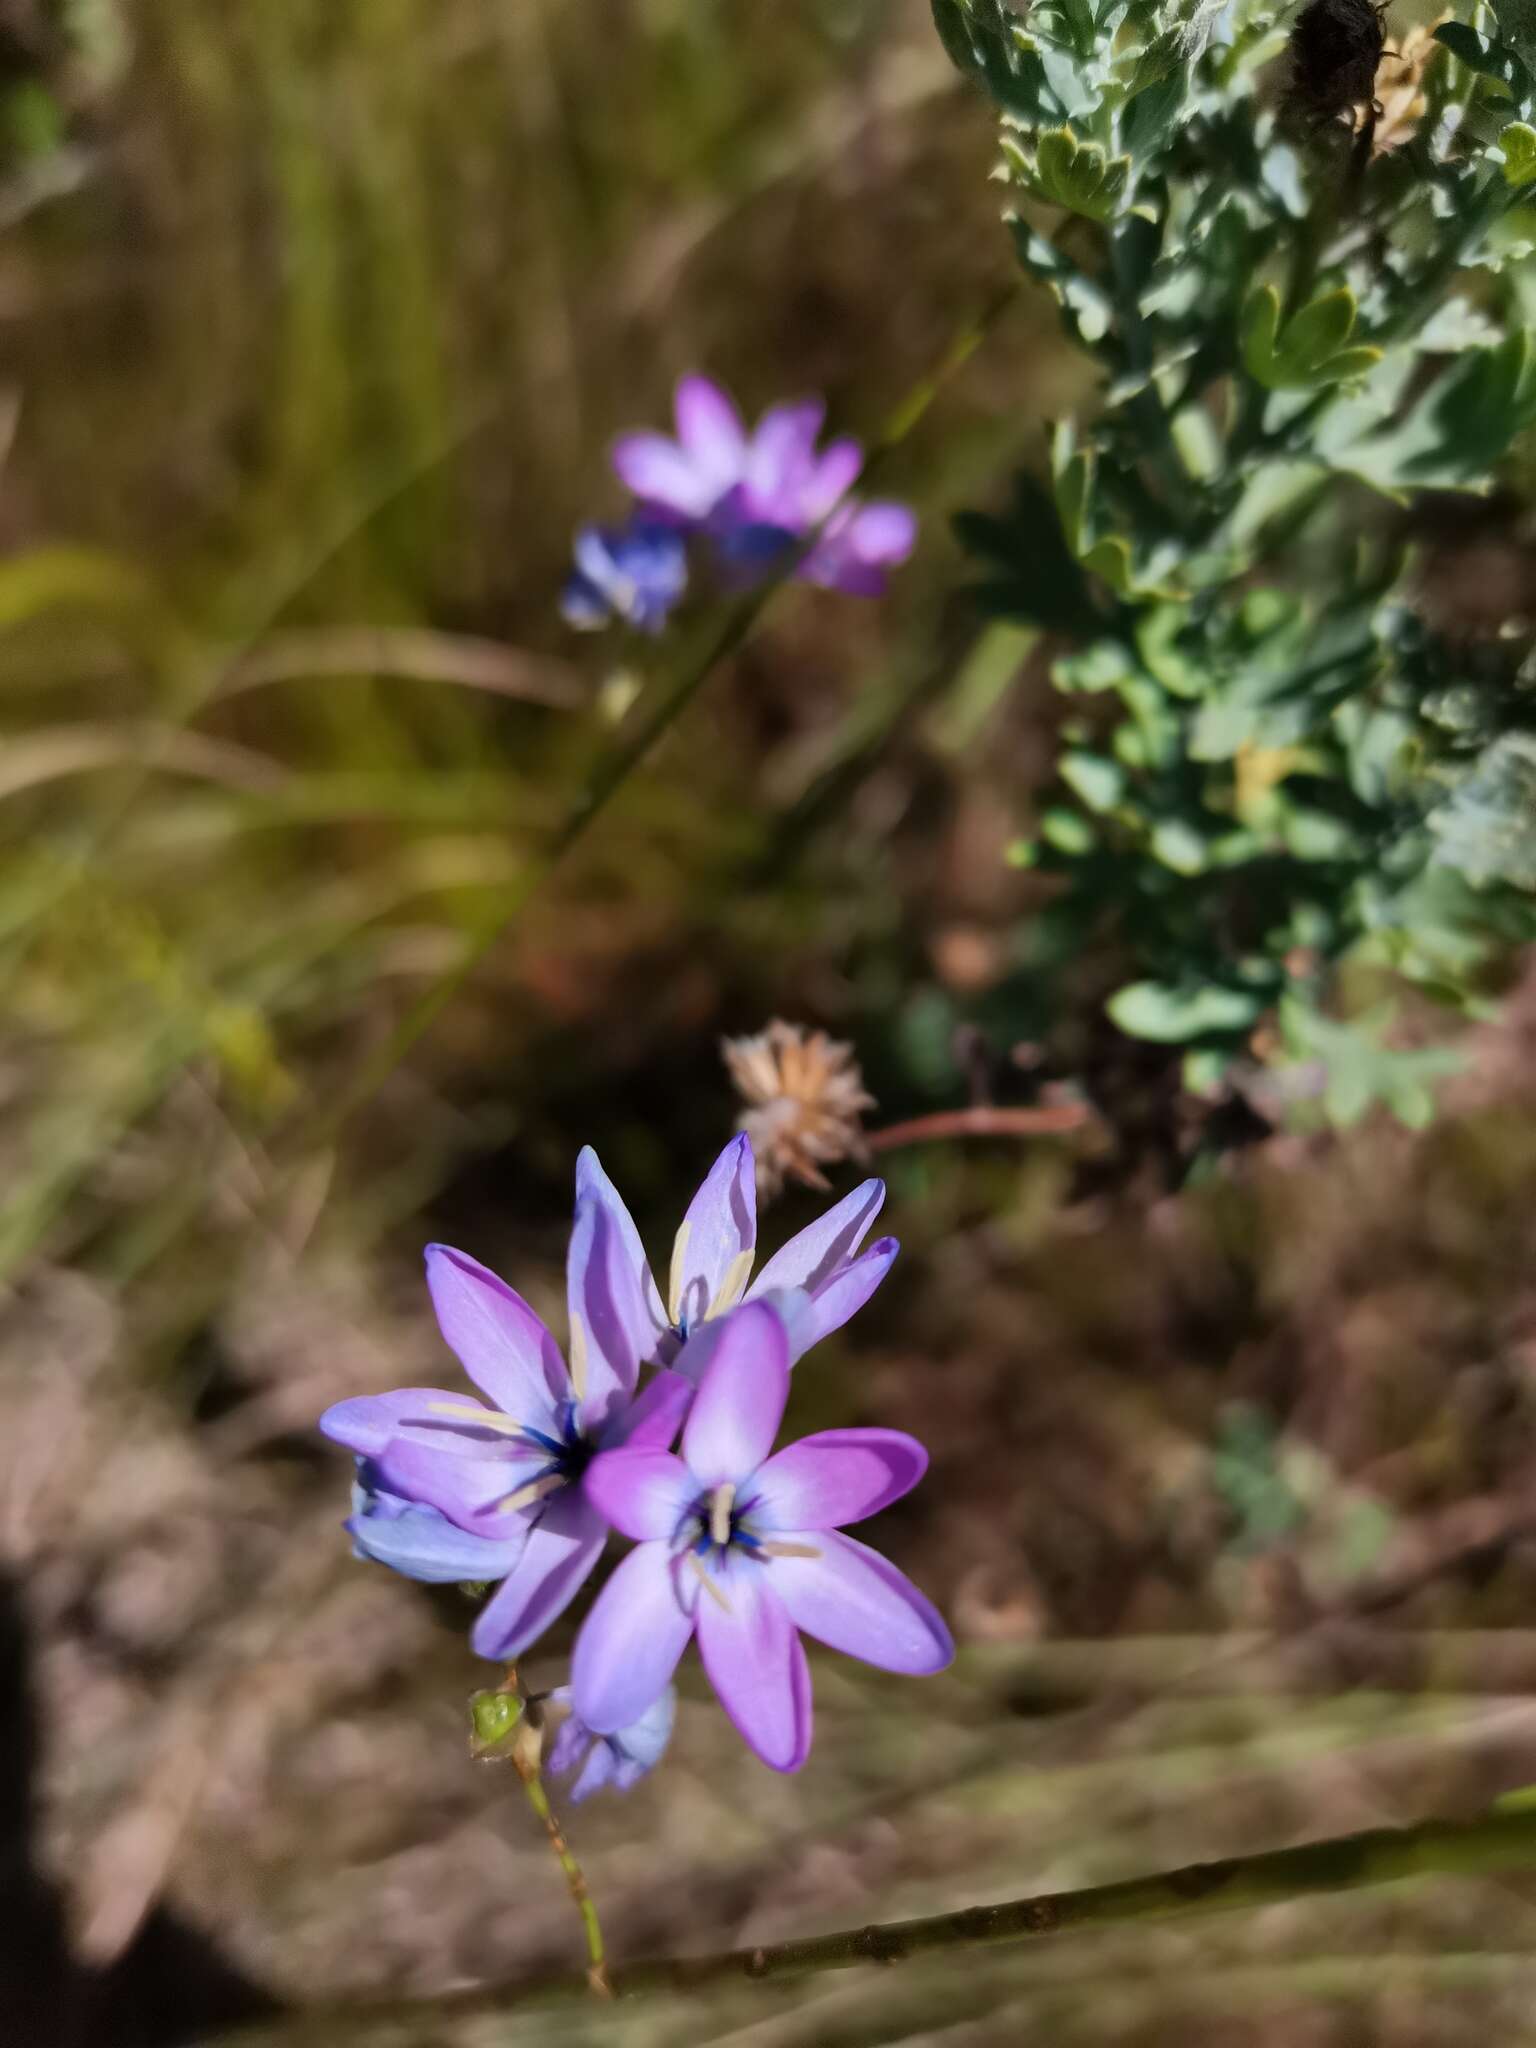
(493, 1718)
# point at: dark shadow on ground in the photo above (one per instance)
(171, 1985)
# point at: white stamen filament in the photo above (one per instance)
(789, 1550)
(708, 1583)
(734, 1285)
(578, 1358)
(536, 1489)
(483, 1418)
(678, 1279)
(720, 1514)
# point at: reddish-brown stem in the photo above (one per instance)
(1046, 1121)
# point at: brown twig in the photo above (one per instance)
(1046, 1121)
(1499, 1841)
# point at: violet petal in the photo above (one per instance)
(643, 1494)
(882, 532)
(719, 1232)
(835, 1476)
(630, 1642)
(653, 1418)
(469, 1491)
(814, 1254)
(740, 1403)
(710, 431)
(592, 1180)
(561, 1549)
(853, 1600)
(755, 1663)
(610, 1330)
(836, 472)
(845, 1293)
(661, 475)
(421, 1543)
(496, 1336)
(367, 1422)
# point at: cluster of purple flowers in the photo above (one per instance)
(753, 500)
(735, 1543)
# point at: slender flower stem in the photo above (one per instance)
(979, 1123)
(517, 1738)
(612, 772)
(575, 1877)
(1500, 1841)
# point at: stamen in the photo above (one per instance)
(788, 1549)
(708, 1584)
(579, 1357)
(734, 1285)
(536, 1489)
(678, 1280)
(720, 1514)
(483, 1418)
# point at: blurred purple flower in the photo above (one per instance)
(816, 1281)
(509, 1474)
(621, 1759)
(758, 496)
(742, 1549)
(636, 573)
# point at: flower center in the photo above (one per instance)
(715, 1524)
(564, 1456)
(718, 1526)
(567, 1458)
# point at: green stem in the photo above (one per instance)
(575, 1878)
(1500, 1841)
(612, 772)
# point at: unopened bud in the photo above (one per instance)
(493, 1721)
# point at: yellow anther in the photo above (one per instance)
(578, 1358)
(536, 1489)
(733, 1286)
(720, 1514)
(483, 1418)
(679, 1276)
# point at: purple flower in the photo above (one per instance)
(744, 1550)
(758, 495)
(509, 1474)
(816, 1281)
(621, 1759)
(636, 573)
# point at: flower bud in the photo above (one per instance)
(493, 1720)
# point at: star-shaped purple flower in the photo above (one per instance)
(758, 495)
(744, 1550)
(508, 1474)
(816, 1281)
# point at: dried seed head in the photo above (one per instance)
(804, 1096)
(1336, 47)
